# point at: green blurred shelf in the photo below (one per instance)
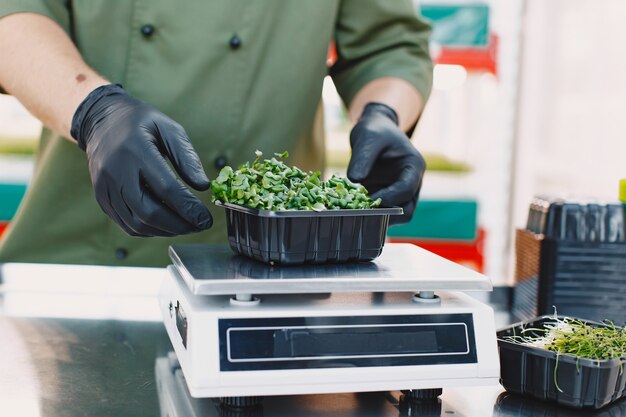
(18, 146)
(434, 162)
(10, 197)
(440, 220)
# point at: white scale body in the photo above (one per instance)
(241, 328)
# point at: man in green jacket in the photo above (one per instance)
(205, 84)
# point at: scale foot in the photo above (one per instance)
(423, 395)
(244, 300)
(240, 412)
(243, 412)
(240, 403)
(410, 408)
(426, 297)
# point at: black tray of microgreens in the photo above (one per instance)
(573, 362)
(280, 214)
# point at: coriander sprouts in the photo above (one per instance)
(270, 184)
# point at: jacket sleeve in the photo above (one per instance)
(57, 10)
(380, 38)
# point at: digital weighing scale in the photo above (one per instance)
(241, 328)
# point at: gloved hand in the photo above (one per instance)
(385, 161)
(128, 145)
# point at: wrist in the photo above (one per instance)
(82, 120)
(375, 108)
(75, 93)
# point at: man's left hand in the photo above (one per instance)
(385, 161)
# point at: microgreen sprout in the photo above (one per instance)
(270, 184)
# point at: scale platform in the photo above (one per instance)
(215, 270)
(241, 328)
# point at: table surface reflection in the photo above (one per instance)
(69, 351)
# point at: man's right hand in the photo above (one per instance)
(128, 145)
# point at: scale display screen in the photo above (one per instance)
(329, 342)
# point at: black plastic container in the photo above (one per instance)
(577, 221)
(530, 370)
(293, 237)
(583, 279)
(573, 257)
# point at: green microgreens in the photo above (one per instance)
(270, 184)
(569, 336)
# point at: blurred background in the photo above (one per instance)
(528, 100)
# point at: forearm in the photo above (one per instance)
(397, 93)
(42, 68)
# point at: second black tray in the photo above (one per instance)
(530, 370)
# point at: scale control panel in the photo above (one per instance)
(253, 344)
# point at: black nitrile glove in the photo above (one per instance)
(128, 145)
(385, 161)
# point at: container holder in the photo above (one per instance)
(579, 278)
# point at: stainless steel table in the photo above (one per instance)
(86, 341)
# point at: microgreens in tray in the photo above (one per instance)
(573, 337)
(270, 184)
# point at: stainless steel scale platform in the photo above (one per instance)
(244, 329)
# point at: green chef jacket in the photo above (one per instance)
(239, 75)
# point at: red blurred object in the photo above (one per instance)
(472, 59)
(331, 58)
(467, 253)
(3, 227)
